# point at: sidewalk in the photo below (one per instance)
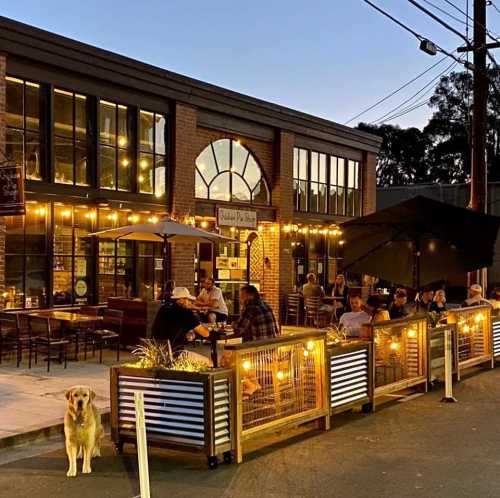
(33, 401)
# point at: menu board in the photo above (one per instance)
(11, 189)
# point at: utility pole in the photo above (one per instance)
(480, 92)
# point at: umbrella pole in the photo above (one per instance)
(166, 273)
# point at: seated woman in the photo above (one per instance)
(341, 290)
(438, 304)
(376, 310)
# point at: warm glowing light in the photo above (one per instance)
(273, 228)
(466, 329)
(310, 345)
(143, 164)
(287, 228)
(314, 231)
(394, 346)
(260, 228)
(306, 353)
(125, 162)
(204, 224)
(153, 219)
(112, 216)
(479, 318)
(280, 375)
(66, 214)
(233, 229)
(134, 218)
(40, 211)
(158, 194)
(122, 141)
(246, 365)
(341, 242)
(140, 178)
(238, 142)
(412, 333)
(91, 215)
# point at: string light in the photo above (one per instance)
(204, 224)
(153, 219)
(280, 375)
(394, 346)
(412, 333)
(306, 353)
(310, 345)
(66, 214)
(246, 365)
(91, 215)
(260, 228)
(134, 218)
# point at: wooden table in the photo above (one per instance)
(68, 317)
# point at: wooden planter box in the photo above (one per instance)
(399, 355)
(289, 375)
(184, 410)
(350, 375)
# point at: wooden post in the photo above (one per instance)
(142, 447)
(448, 368)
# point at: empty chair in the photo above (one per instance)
(43, 340)
(312, 310)
(292, 308)
(14, 335)
(108, 331)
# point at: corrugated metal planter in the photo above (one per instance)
(349, 374)
(436, 352)
(184, 410)
(495, 327)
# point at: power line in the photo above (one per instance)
(495, 7)
(394, 92)
(410, 30)
(409, 99)
(445, 12)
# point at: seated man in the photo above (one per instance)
(353, 320)
(212, 298)
(176, 322)
(256, 317)
(475, 297)
(312, 288)
(399, 308)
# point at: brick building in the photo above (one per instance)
(108, 141)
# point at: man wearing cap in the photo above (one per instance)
(175, 320)
(475, 297)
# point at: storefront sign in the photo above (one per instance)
(81, 288)
(11, 189)
(239, 218)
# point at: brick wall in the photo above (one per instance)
(184, 154)
(3, 68)
(369, 172)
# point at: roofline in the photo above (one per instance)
(32, 43)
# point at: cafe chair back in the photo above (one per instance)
(312, 311)
(292, 308)
(12, 336)
(108, 332)
(43, 340)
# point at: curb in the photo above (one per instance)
(39, 434)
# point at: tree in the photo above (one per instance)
(441, 152)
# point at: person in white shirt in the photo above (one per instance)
(212, 299)
(353, 320)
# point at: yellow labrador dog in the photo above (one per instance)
(82, 428)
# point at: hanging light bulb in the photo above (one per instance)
(280, 375)
(246, 365)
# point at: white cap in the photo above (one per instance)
(182, 293)
(476, 288)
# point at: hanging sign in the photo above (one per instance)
(11, 189)
(239, 218)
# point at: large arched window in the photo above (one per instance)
(228, 171)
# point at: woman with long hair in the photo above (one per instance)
(438, 304)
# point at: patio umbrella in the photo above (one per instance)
(420, 241)
(164, 231)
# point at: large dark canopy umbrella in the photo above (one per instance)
(419, 241)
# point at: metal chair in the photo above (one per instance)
(292, 308)
(12, 336)
(42, 339)
(109, 331)
(312, 311)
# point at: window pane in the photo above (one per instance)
(35, 229)
(219, 189)
(341, 172)
(145, 173)
(63, 113)
(14, 231)
(333, 170)
(252, 172)
(357, 202)
(314, 202)
(36, 283)
(322, 201)
(205, 163)
(14, 103)
(240, 155)
(160, 173)
(303, 164)
(322, 168)
(303, 195)
(63, 160)
(333, 200)
(221, 151)
(201, 188)
(295, 162)
(107, 118)
(32, 106)
(14, 281)
(14, 146)
(146, 129)
(80, 117)
(82, 177)
(62, 285)
(261, 194)
(123, 140)
(314, 167)
(144, 278)
(124, 171)
(159, 134)
(241, 192)
(124, 276)
(82, 226)
(33, 164)
(351, 174)
(341, 201)
(63, 230)
(296, 191)
(108, 162)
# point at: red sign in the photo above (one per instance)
(11, 189)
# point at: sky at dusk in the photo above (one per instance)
(331, 58)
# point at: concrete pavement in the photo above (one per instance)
(419, 448)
